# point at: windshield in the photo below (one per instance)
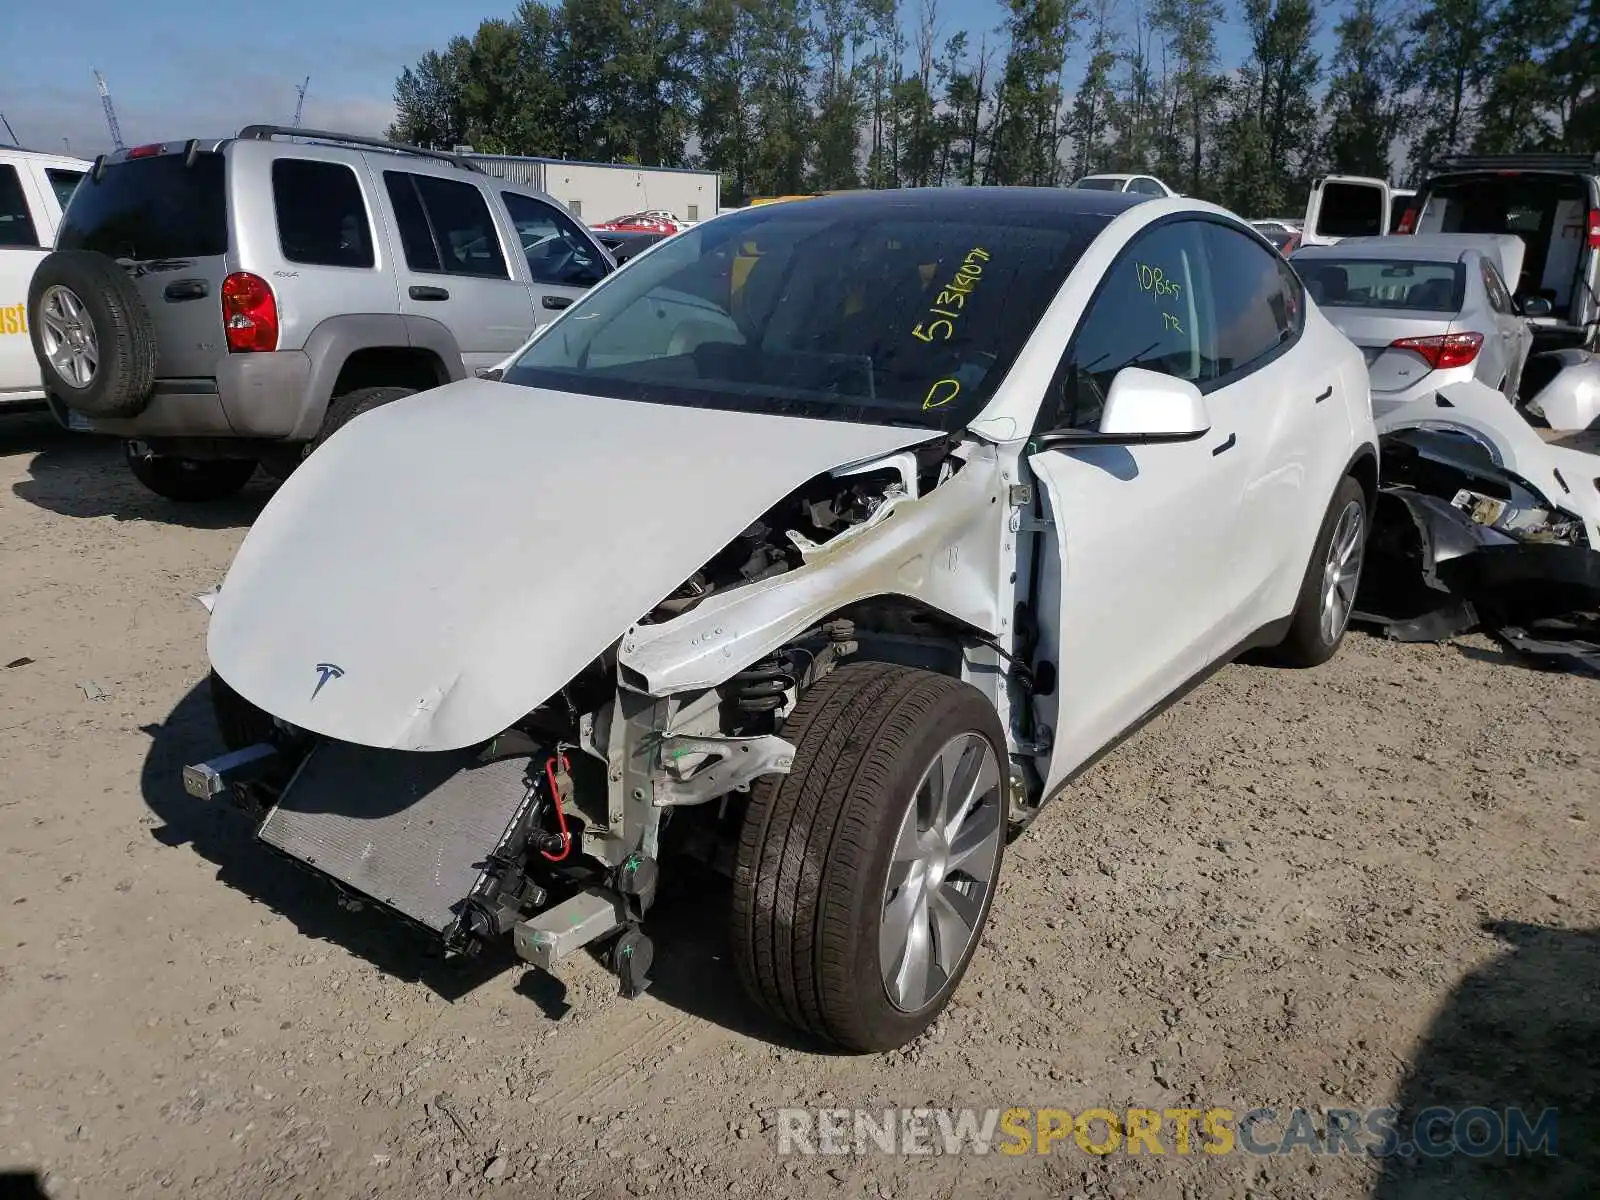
(1384, 283)
(880, 312)
(1099, 183)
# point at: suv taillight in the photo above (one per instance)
(1444, 350)
(1594, 229)
(249, 313)
(1408, 221)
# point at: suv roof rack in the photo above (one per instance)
(1523, 162)
(265, 133)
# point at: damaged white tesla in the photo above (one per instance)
(825, 543)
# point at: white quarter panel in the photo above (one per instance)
(459, 555)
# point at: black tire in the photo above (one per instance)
(814, 855)
(123, 332)
(239, 722)
(188, 480)
(346, 408)
(1306, 644)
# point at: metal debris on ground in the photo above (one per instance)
(92, 690)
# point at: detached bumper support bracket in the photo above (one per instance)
(216, 776)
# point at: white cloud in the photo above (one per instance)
(43, 117)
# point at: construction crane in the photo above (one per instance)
(111, 113)
(300, 105)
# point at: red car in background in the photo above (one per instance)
(654, 221)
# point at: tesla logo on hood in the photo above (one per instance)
(325, 672)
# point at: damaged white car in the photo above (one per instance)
(1488, 515)
(826, 543)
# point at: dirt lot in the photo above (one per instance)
(1369, 884)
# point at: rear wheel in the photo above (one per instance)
(346, 408)
(188, 480)
(864, 876)
(1328, 592)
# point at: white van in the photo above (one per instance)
(34, 189)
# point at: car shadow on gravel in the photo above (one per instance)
(689, 923)
(1521, 1032)
(80, 475)
(224, 835)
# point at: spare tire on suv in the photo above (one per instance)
(92, 334)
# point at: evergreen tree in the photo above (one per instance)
(1445, 62)
(1190, 29)
(1363, 111)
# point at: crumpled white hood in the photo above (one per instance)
(447, 562)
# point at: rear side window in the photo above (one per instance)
(1499, 297)
(322, 219)
(1099, 185)
(16, 222)
(63, 183)
(445, 226)
(149, 208)
(1256, 297)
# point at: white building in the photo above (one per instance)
(598, 192)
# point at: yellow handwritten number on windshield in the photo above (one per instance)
(941, 393)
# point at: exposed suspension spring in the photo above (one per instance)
(761, 687)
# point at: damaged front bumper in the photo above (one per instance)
(1485, 522)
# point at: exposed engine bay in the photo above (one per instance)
(552, 830)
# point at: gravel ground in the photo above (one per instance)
(1369, 884)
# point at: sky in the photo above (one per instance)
(196, 68)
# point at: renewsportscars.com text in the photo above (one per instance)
(1477, 1132)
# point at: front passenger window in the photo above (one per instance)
(1153, 310)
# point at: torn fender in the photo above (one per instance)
(941, 549)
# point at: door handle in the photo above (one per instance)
(419, 292)
(1328, 391)
(186, 289)
(557, 302)
(1226, 446)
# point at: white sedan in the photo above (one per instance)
(828, 542)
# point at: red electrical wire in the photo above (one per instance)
(561, 816)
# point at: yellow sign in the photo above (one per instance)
(14, 319)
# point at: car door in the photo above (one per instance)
(23, 236)
(1344, 206)
(1284, 405)
(455, 265)
(1133, 579)
(563, 261)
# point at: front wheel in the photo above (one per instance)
(864, 876)
(1328, 592)
(189, 480)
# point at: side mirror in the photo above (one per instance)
(1535, 306)
(1142, 406)
(1149, 406)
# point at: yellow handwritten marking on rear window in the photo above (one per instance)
(952, 299)
(941, 393)
(1169, 321)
